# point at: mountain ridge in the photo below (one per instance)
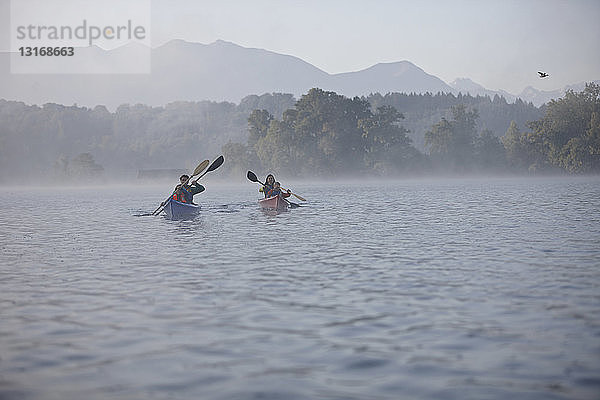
(226, 71)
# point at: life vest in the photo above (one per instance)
(178, 196)
(278, 192)
(266, 190)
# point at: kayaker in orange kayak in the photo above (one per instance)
(269, 182)
(276, 191)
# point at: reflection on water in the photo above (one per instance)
(441, 290)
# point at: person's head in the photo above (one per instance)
(270, 179)
(184, 178)
(276, 185)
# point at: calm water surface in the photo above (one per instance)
(460, 289)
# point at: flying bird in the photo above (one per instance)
(542, 74)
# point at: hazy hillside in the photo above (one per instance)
(539, 97)
(221, 71)
(402, 77)
(181, 71)
(466, 85)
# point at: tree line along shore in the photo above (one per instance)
(321, 134)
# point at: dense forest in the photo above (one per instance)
(322, 133)
(421, 111)
(330, 135)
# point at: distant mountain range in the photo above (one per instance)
(529, 94)
(223, 71)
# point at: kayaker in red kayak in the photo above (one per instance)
(269, 182)
(184, 192)
(276, 191)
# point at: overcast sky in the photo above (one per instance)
(500, 44)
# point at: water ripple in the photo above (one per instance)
(439, 289)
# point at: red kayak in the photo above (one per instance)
(273, 203)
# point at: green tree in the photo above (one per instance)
(258, 126)
(273, 150)
(385, 143)
(567, 135)
(490, 154)
(329, 134)
(516, 149)
(582, 154)
(84, 166)
(451, 143)
(240, 158)
(593, 135)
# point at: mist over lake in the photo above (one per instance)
(448, 247)
(429, 289)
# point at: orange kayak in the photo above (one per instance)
(273, 203)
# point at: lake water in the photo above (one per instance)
(456, 289)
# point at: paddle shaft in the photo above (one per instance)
(294, 194)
